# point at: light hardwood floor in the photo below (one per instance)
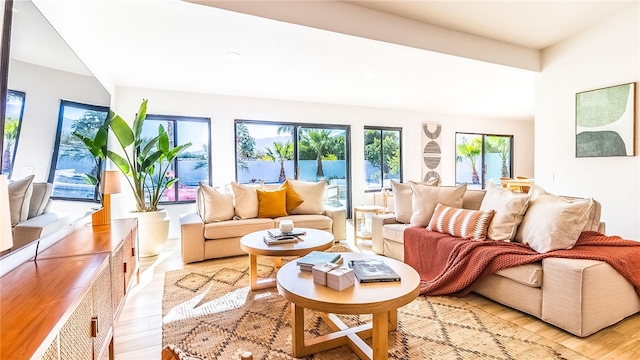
(138, 331)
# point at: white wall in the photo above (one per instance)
(44, 88)
(223, 110)
(603, 55)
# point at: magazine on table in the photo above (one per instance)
(277, 234)
(373, 270)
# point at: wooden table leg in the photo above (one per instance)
(380, 338)
(253, 271)
(256, 284)
(297, 327)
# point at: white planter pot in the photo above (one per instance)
(153, 231)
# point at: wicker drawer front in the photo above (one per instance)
(102, 309)
(75, 336)
(117, 276)
(52, 351)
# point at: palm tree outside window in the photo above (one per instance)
(13, 120)
(272, 151)
(481, 158)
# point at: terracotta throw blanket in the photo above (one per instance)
(453, 266)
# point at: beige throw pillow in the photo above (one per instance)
(215, 205)
(40, 198)
(425, 198)
(509, 208)
(20, 199)
(312, 194)
(246, 200)
(552, 222)
(402, 194)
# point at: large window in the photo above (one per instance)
(481, 158)
(382, 157)
(13, 119)
(71, 161)
(273, 151)
(193, 165)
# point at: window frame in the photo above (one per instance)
(22, 95)
(296, 138)
(483, 165)
(381, 129)
(56, 148)
(175, 119)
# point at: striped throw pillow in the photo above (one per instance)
(468, 224)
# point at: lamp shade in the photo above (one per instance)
(6, 237)
(110, 183)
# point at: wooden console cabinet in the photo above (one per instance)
(63, 304)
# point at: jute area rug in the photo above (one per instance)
(209, 311)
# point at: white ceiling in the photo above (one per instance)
(177, 45)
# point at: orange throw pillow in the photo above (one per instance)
(293, 199)
(272, 204)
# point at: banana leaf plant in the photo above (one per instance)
(145, 162)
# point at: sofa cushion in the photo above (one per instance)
(293, 198)
(272, 203)
(313, 195)
(394, 232)
(552, 222)
(313, 221)
(40, 198)
(402, 194)
(425, 198)
(510, 208)
(464, 223)
(215, 205)
(235, 228)
(529, 274)
(245, 200)
(19, 199)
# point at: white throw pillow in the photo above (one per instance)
(216, 205)
(312, 194)
(246, 200)
(19, 199)
(552, 222)
(509, 208)
(425, 198)
(402, 194)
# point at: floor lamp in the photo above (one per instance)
(6, 236)
(109, 184)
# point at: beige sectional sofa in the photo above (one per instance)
(579, 296)
(226, 215)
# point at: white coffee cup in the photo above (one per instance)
(286, 226)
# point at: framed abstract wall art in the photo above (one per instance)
(606, 121)
(431, 150)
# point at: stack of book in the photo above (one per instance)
(275, 236)
(307, 262)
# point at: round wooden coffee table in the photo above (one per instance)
(381, 299)
(254, 245)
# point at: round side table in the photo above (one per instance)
(366, 212)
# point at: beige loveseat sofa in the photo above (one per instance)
(239, 211)
(579, 296)
(29, 204)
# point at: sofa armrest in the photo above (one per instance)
(339, 227)
(192, 236)
(583, 296)
(38, 226)
(377, 241)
